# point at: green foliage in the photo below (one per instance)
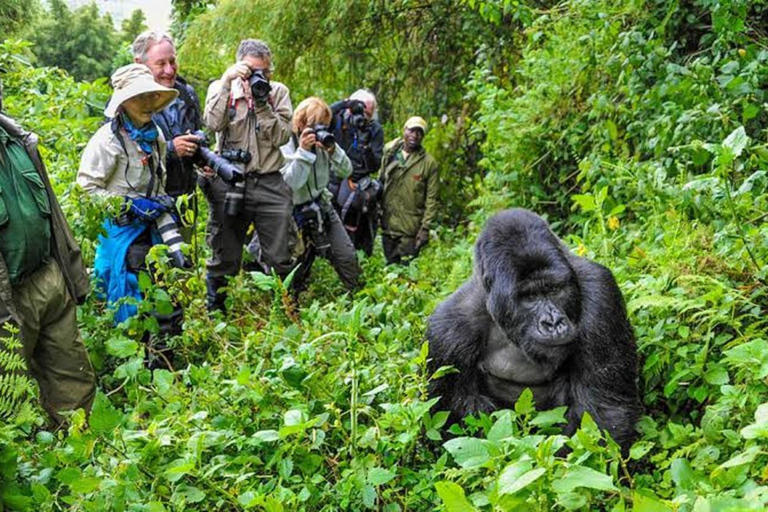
(133, 26)
(81, 41)
(16, 387)
(15, 15)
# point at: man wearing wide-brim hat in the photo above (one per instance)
(127, 157)
(410, 193)
(42, 277)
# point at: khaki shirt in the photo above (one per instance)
(106, 170)
(410, 197)
(240, 131)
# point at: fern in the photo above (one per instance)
(16, 388)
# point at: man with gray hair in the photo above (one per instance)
(359, 133)
(179, 120)
(250, 113)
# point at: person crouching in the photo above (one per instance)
(312, 158)
(126, 158)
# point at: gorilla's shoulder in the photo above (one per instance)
(464, 310)
(594, 277)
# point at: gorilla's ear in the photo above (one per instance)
(493, 268)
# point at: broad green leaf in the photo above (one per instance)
(191, 493)
(379, 476)
(369, 496)
(104, 417)
(293, 417)
(642, 502)
(122, 347)
(745, 457)
(85, 485)
(640, 449)
(502, 428)
(682, 474)
(551, 417)
(760, 427)
(267, 436)
(524, 404)
(518, 476)
(585, 202)
(581, 476)
(453, 497)
(736, 141)
(716, 375)
(468, 452)
(177, 469)
(163, 380)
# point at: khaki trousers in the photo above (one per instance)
(52, 346)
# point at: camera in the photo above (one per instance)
(357, 117)
(236, 155)
(311, 221)
(219, 163)
(324, 136)
(166, 227)
(260, 87)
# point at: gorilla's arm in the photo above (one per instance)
(605, 365)
(457, 333)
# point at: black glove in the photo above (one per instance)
(178, 260)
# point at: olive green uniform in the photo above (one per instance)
(41, 276)
(409, 199)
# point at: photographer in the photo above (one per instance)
(312, 158)
(126, 158)
(362, 138)
(178, 120)
(248, 112)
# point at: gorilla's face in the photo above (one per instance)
(532, 295)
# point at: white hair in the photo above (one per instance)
(366, 96)
(146, 40)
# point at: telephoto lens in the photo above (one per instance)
(169, 232)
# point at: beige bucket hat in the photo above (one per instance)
(416, 122)
(135, 79)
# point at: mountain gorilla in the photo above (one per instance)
(533, 315)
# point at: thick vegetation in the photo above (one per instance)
(636, 126)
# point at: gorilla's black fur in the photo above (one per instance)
(534, 315)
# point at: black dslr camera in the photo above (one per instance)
(357, 115)
(224, 167)
(324, 136)
(260, 87)
(311, 220)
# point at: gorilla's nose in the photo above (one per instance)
(553, 323)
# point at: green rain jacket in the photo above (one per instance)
(64, 248)
(410, 191)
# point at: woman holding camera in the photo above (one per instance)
(126, 158)
(312, 158)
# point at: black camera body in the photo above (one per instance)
(357, 116)
(311, 220)
(259, 85)
(324, 136)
